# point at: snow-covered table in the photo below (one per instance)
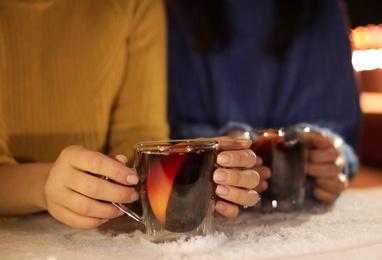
(349, 229)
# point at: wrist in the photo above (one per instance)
(40, 199)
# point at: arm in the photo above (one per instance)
(22, 188)
(65, 188)
(337, 119)
(21, 185)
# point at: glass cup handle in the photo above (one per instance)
(129, 212)
(125, 209)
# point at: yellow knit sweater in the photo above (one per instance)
(88, 72)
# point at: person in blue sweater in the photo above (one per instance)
(236, 65)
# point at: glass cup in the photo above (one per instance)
(282, 150)
(176, 188)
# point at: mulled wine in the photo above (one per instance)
(177, 185)
(284, 155)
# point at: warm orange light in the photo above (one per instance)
(367, 37)
(367, 46)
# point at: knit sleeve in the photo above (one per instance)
(140, 109)
(5, 156)
(5, 159)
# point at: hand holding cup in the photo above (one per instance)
(325, 164)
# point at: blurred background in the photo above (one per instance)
(366, 38)
(364, 12)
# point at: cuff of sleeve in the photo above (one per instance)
(5, 160)
(232, 125)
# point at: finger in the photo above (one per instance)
(336, 141)
(88, 207)
(263, 171)
(315, 139)
(229, 143)
(340, 161)
(329, 154)
(331, 185)
(322, 170)
(265, 174)
(241, 158)
(323, 195)
(226, 209)
(98, 163)
(263, 186)
(238, 196)
(248, 179)
(259, 160)
(101, 189)
(119, 158)
(73, 219)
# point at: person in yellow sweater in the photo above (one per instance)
(81, 81)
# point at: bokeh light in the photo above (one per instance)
(367, 47)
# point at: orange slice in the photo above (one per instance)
(160, 178)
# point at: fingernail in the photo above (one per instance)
(220, 206)
(222, 190)
(220, 176)
(224, 159)
(121, 158)
(244, 141)
(259, 160)
(134, 196)
(104, 220)
(132, 179)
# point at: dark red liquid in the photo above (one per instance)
(179, 187)
(286, 160)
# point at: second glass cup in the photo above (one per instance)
(282, 150)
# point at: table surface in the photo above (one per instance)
(351, 228)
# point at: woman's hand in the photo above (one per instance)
(78, 197)
(325, 163)
(236, 179)
(262, 170)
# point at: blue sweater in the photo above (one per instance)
(244, 86)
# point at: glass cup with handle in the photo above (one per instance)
(176, 187)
